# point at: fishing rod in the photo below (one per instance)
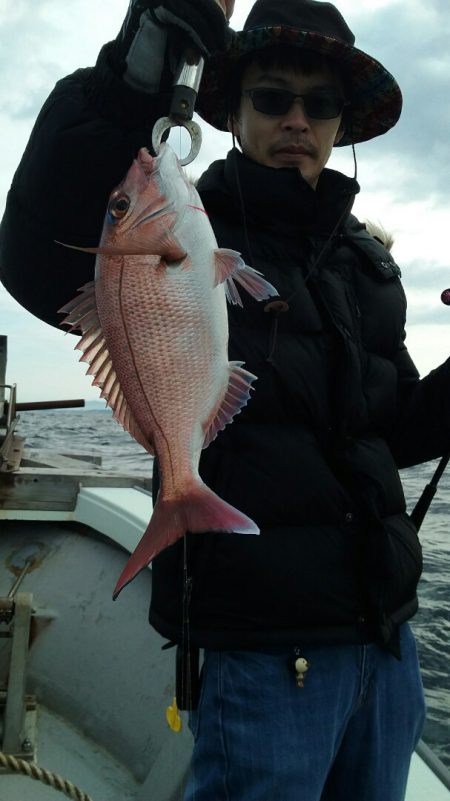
(184, 95)
(423, 504)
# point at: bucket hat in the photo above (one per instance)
(375, 101)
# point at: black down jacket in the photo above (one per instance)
(338, 405)
(314, 456)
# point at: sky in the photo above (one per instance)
(404, 175)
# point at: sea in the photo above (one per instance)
(92, 430)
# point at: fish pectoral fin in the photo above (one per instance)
(185, 263)
(159, 240)
(227, 263)
(235, 398)
(230, 267)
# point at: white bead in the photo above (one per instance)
(301, 665)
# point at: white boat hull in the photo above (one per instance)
(101, 681)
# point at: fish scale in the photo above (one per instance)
(180, 399)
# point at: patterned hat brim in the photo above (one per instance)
(376, 100)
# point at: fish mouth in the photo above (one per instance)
(147, 162)
(137, 181)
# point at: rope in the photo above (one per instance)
(30, 769)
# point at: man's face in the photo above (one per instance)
(293, 139)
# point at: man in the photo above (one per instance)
(310, 688)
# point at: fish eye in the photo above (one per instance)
(119, 206)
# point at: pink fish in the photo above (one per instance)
(155, 334)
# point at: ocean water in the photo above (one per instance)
(95, 432)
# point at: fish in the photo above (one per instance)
(154, 332)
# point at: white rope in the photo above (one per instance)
(13, 765)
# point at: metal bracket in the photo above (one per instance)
(11, 446)
(185, 90)
(16, 732)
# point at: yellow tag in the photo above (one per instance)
(173, 717)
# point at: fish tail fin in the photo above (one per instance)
(200, 510)
(205, 511)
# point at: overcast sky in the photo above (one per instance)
(404, 175)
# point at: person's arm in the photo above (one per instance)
(422, 428)
(83, 142)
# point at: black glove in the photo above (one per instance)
(149, 43)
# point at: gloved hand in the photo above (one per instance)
(148, 42)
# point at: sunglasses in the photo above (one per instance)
(276, 102)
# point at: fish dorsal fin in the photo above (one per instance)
(81, 313)
(230, 267)
(236, 396)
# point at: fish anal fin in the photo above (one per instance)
(236, 396)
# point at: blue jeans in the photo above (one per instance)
(347, 735)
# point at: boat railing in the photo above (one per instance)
(11, 446)
(434, 763)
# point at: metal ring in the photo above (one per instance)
(165, 123)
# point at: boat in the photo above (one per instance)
(86, 685)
